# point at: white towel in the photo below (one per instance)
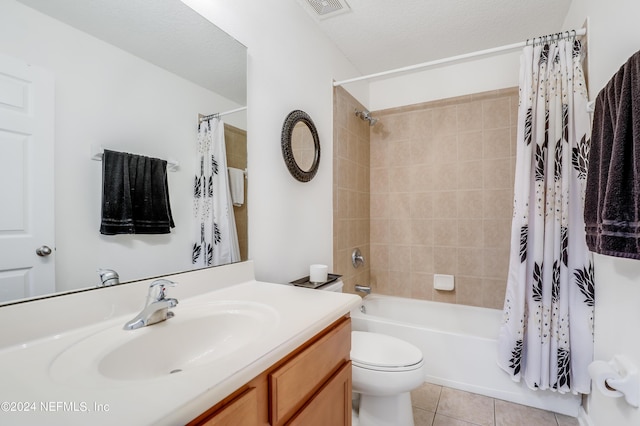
(236, 182)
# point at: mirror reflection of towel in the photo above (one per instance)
(135, 195)
(236, 182)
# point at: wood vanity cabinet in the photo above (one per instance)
(310, 386)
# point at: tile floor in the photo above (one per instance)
(435, 405)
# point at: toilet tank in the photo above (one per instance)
(333, 286)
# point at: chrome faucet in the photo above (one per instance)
(363, 288)
(156, 308)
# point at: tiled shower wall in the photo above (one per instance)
(441, 183)
(236, 145)
(350, 190)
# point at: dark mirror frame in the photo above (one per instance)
(290, 122)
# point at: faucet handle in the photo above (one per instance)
(161, 286)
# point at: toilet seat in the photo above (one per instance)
(374, 351)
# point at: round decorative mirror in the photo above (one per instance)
(300, 146)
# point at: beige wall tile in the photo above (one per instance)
(379, 231)
(400, 153)
(496, 143)
(470, 174)
(471, 262)
(422, 150)
(399, 179)
(445, 121)
(469, 291)
(445, 260)
(421, 285)
(379, 206)
(421, 123)
(470, 116)
(430, 188)
(400, 282)
(445, 176)
(470, 146)
(421, 205)
(379, 180)
(470, 233)
(352, 183)
(421, 177)
(497, 173)
(470, 204)
(400, 258)
(422, 232)
(422, 259)
(400, 205)
(497, 233)
(445, 205)
(496, 113)
(445, 233)
(493, 291)
(444, 296)
(496, 263)
(445, 148)
(399, 231)
(497, 203)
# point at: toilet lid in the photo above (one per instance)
(379, 351)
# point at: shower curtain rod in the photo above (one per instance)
(220, 114)
(557, 36)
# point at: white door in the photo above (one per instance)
(26, 180)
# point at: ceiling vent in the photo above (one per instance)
(323, 9)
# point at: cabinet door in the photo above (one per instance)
(294, 383)
(241, 411)
(331, 405)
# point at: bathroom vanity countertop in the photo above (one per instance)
(31, 395)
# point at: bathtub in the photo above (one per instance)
(459, 344)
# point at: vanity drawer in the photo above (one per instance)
(294, 383)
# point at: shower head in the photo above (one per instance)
(366, 115)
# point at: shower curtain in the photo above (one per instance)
(216, 238)
(547, 333)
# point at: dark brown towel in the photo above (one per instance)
(135, 195)
(612, 199)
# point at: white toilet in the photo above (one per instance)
(385, 370)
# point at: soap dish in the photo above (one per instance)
(304, 282)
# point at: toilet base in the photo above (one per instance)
(390, 410)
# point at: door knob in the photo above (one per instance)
(43, 251)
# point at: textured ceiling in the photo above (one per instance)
(166, 33)
(378, 35)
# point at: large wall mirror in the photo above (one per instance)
(132, 76)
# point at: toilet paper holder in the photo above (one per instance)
(626, 381)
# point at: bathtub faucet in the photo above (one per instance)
(363, 288)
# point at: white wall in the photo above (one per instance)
(105, 96)
(614, 35)
(291, 66)
(446, 81)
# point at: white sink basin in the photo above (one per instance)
(197, 336)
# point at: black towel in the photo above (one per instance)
(612, 199)
(135, 195)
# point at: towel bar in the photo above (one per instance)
(172, 165)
